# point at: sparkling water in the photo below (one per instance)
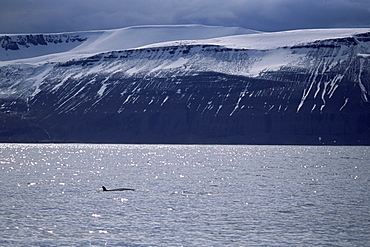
(185, 195)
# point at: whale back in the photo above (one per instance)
(120, 189)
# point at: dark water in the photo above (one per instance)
(185, 195)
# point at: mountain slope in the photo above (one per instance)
(228, 86)
(77, 44)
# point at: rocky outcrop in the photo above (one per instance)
(14, 42)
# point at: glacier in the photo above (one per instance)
(187, 84)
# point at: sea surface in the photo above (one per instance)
(185, 195)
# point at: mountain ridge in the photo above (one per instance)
(92, 42)
(285, 90)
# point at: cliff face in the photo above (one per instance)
(312, 93)
(25, 41)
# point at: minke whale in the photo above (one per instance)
(120, 189)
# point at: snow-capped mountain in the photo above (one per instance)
(187, 84)
(64, 46)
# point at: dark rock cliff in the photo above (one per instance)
(14, 42)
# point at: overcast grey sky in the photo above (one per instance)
(38, 16)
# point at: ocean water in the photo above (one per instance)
(185, 195)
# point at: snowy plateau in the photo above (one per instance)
(187, 84)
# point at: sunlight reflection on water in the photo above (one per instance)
(185, 195)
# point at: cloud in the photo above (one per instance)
(24, 16)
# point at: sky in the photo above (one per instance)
(45, 16)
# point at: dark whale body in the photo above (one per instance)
(120, 189)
